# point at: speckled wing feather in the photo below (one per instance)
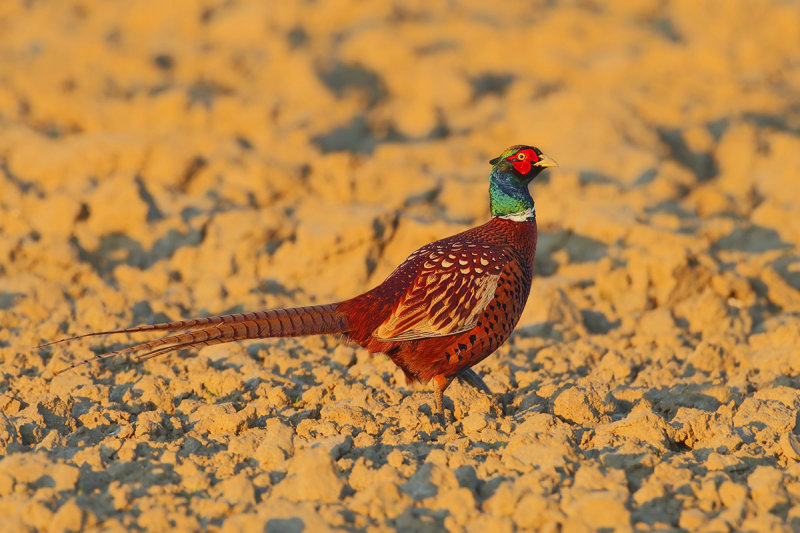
(455, 284)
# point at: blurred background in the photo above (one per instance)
(195, 152)
(168, 159)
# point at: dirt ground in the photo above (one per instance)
(172, 159)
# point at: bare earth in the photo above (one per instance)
(170, 159)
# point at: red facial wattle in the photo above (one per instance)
(523, 166)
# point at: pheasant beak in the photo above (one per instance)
(545, 162)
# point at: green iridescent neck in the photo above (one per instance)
(508, 196)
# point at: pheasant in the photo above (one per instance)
(449, 305)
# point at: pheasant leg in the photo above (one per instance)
(441, 383)
(471, 378)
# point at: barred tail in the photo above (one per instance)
(290, 322)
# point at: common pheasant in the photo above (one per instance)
(446, 307)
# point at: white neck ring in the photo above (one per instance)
(523, 216)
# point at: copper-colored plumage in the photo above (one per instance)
(449, 305)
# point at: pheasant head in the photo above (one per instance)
(512, 171)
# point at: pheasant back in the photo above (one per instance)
(459, 299)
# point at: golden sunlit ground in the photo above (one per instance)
(170, 159)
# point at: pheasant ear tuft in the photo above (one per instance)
(494, 161)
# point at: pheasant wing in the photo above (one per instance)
(454, 285)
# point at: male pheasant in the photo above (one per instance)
(446, 307)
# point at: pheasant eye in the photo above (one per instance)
(521, 156)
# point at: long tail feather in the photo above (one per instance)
(168, 326)
(291, 322)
